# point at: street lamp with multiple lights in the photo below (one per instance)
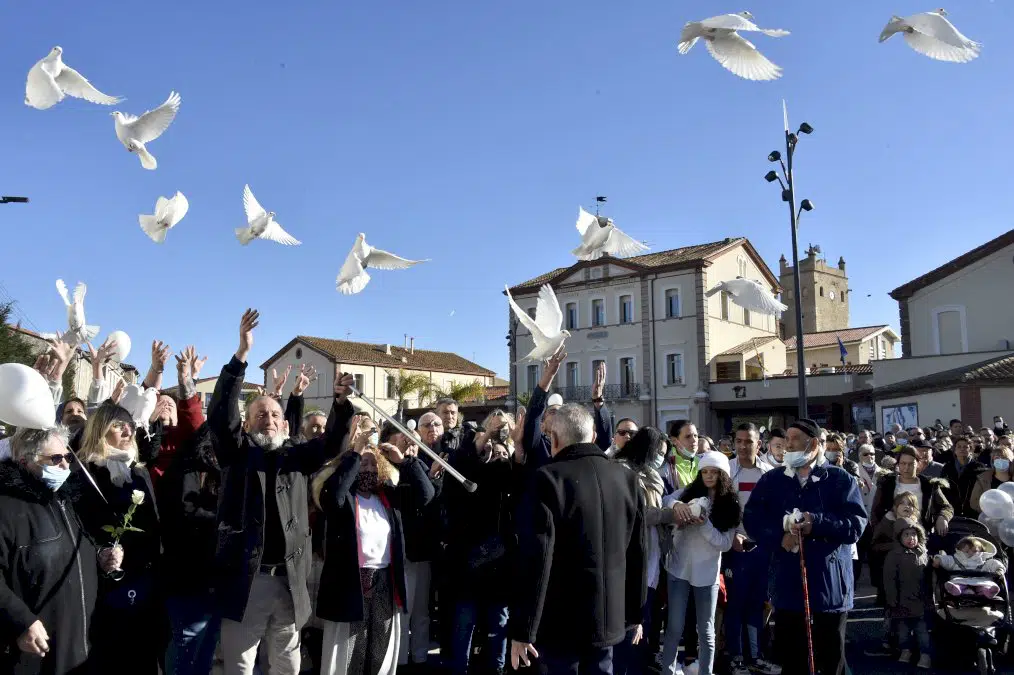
(789, 196)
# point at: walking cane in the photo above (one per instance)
(807, 617)
(470, 486)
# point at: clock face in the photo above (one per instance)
(831, 294)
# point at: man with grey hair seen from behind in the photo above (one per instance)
(580, 568)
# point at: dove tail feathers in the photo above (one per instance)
(147, 159)
(151, 228)
(713, 291)
(775, 32)
(244, 235)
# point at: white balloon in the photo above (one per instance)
(1007, 487)
(122, 345)
(996, 504)
(1007, 532)
(25, 398)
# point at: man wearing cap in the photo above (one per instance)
(831, 519)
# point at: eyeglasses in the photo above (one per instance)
(122, 426)
(56, 459)
(626, 432)
(434, 423)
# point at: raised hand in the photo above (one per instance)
(342, 384)
(159, 355)
(250, 320)
(278, 382)
(196, 364)
(307, 374)
(393, 453)
(552, 367)
(161, 406)
(101, 356)
(600, 380)
(118, 391)
(183, 368)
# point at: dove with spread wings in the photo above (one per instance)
(933, 35)
(261, 224)
(353, 276)
(599, 236)
(168, 212)
(78, 332)
(751, 295)
(136, 132)
(50, 80)
(732, 51)
(547, 326)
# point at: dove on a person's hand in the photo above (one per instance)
(78, 332)
(261, 224)
(50, 80)
(168, 212)
(353, 276)
(136, 132)
(732, 51)
(932, 35)
(599, 236)
(751, 295)
(547, 326)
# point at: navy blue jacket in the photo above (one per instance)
(839, 517)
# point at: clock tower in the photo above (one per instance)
(825, 294)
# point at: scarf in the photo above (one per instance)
(118, 463)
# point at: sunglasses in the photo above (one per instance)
(626, 432)
(56, 459)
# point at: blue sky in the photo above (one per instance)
(468, 133)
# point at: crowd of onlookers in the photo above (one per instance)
(138, 536)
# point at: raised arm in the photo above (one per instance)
(189, 416)
(295, 406)
(223, 413)
(603, 418)
(97, 392)
(159, 356)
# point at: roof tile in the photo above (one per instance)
(829, 338)
(364, 353)
(748, 346)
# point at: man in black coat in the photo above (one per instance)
(48, 570)
(263, 553)
(580, 574)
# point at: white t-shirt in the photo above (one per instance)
(374, 533)
(744, 480)
(915, 488)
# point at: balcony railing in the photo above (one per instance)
(611, 392)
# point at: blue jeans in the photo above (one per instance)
(747, 589)
(494, 650)
(195, 627)
(706, 600)
(901, 628)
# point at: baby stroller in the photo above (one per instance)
(972, 620)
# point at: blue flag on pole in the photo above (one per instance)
(842, 351)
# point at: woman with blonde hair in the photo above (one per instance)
(361, 596)
(129, 624)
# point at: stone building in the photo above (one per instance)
(824, 290)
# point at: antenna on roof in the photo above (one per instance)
(348, 334)
(599, 200)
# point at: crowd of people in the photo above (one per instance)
(138, 536)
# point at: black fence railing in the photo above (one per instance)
(611, 392)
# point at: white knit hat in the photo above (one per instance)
(715, 460)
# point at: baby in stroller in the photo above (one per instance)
(971, 554)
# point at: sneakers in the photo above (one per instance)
(906, 656)
(765, 667)
(737, 667)
(925, 662)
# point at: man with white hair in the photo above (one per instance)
(263, 554)
(580, 569)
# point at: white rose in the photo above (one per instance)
(137, 497)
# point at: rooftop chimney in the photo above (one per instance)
(387, 349)
(411, 345)
(406, 340)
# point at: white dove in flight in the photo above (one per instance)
(136, 132)
(547, 326)
(78, 332)
(599, 236)
(732, 51)
(50, 80)
(353, 276)
(261, 224)
(168, 212)
(751, 295)
(932, 35)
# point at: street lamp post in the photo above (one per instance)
(789, 196)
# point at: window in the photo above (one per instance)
(573, 377)
(531, 312)
(672, 303)
(359, 382)
(626, 309)
(596, 273)
(843, 296)
(391, 393)
(598, 313)
(822, 291)
(571, 315)
(595, 367)
(741, 265)
(674, 369)
(746, 316)
(207, 399)
(883, 346)
(532, 376)
(299, 352)
(626, 375)
(725, 305)
(949, 331)
(726, 371)
(873, 349)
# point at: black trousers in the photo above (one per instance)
(828, 642)
(590, 661)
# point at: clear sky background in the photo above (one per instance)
(468, 133)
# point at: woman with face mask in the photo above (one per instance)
(130, 621)
(45, 587)
(645, 454)
(362, 590)
(680, 468)
(998, 473)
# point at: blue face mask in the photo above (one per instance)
(375, 439)
(795, 459)
(54, 477)
(658, 460)
(1001, 464)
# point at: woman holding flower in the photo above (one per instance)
(129, 624)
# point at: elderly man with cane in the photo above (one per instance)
(809, 516)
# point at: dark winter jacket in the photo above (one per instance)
(579, 577)
(839, 517)
(47, 573)
(934, 501)
(906, 585)
(340, 594)
(241, 506)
